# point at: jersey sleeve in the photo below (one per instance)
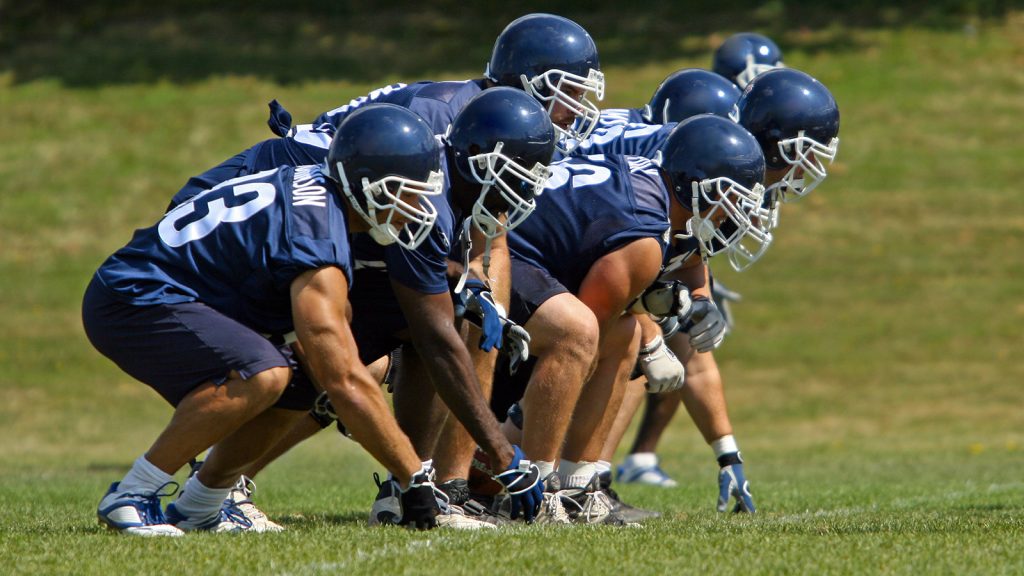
(426, 268)
(316, 230)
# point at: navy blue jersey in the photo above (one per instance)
(619, 116)
(436, 102)
(237, 247)
(423, 270)
(623, 131)
(591, 206)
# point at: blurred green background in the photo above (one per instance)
(875, 375)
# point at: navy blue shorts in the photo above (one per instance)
(376, 315)
(531, 287)
(174, 348)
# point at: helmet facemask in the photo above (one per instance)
(515, 185)
(752, 70)
(807, 157)
(396, 197)
(725, 220)
(764, 218)
(550, 88)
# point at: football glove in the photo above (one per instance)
(663, 298)
(419, 506)
(722, 297)
(522, 481)
(324, 414)
(517, 344)
(483, 311)
(732, 483)
(704, 324)
(663, 370)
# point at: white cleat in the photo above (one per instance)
(387, 507)
(136, 514)
(241, 498)
(227, 519)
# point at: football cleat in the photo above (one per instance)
(241, 498)
(387, 507)
(591, 505)
(458, 494)
(227, 519)
(137, 514)
(644, 469)
(552, 511)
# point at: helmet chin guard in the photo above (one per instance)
(726, 219)
(396, 198)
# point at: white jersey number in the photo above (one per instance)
(199, 217)
(581, 174)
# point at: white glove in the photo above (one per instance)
(663, 298)
(663, 370)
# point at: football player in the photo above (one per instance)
(549, 57)
(187, 306)
(493, 160)
(745, 55)
(593, 246)
(796, 121)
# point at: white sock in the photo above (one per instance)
(640, 460)
(603, 466)
(144, 477)
(199, 501)
(576, 474)
(546, 468)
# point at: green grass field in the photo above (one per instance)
(874, 378)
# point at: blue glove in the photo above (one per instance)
(733, 483)
(484, 312)
(522, 481)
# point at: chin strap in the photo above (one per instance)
(467, 245)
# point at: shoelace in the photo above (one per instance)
(591, 509)
(152, 511)
(231, 512)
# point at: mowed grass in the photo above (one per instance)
(874, 378)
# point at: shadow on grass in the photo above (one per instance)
(182, 41)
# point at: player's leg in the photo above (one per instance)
(642, 466)
(231, 375)
(418, 409)
(564, 336)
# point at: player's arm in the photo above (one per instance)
(616, 279)
(450, 367)
(319, 304)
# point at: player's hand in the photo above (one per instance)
(732, 483)
(659, 364)
(482, 310)
(705, 325)
(419, 506)
(517, 344)
(722, 297)
(522, 481)
(664, 298)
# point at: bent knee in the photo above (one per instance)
(270, 382)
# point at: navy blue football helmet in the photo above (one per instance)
(745, 55)
(690, 92)
(796, 121)
(715, 169)
(555, 61)
(387, 162)
(503, 140)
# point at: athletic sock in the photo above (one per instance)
(144, 477)
(199, 501)
(576, 475)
